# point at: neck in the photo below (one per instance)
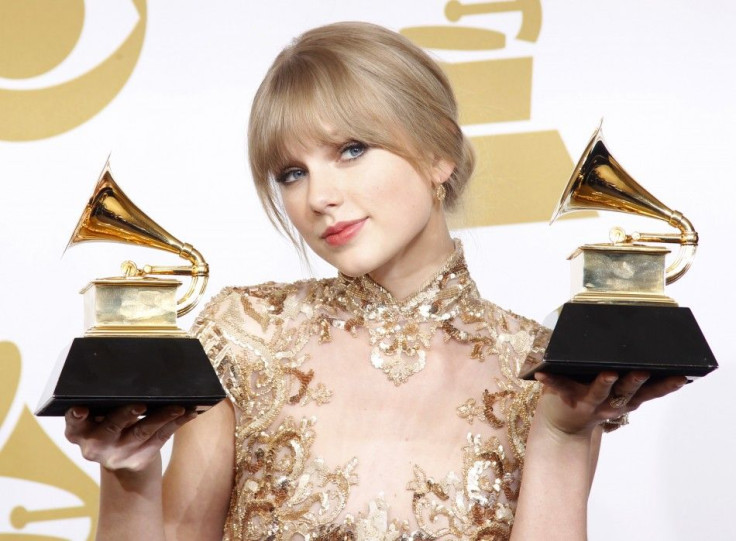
(415, 265)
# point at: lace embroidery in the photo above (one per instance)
(475, 505)
(400, 331)
(256, 338)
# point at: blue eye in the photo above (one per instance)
(291, 175)
(352, 150)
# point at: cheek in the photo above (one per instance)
(400, 187)
(410, 194)
(293, 209)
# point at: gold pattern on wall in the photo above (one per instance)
(531, 14)
(30, 455)
(482, 99)
(38, 113)
(516, 192)
(37, 35)
(519, 176)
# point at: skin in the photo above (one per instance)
(562, 449)
(189, 503)
(402, 239)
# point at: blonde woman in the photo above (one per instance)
(381, 404)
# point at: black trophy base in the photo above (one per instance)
(593, 338)
(103, 373)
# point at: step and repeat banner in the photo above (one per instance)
(163, 88)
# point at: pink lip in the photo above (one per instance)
(342, 232)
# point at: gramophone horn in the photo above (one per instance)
(111, 216)
(600, 183)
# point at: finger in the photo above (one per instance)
(557, 383)
(564, 388)
(629, 384)
(166, 431)
(137, 453)
(76, 423)
(571, 392)
(115, 422)
(656, 389)
(601, 387)
(150, 427)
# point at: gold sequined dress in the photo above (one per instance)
(361, 417)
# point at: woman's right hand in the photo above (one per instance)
(122, 440)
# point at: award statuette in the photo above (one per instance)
(132, 351)
(619, 318)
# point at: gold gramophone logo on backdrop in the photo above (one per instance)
(34, 472)
(37, 36)
(506, 188)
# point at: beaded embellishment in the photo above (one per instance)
(264, 342)
(400, 331)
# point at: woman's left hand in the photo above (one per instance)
(571, 407)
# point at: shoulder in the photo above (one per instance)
(525, 336)
(242, 332)
(510, 320)
(254, 309)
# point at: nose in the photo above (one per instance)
(324, 189)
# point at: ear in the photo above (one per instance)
(441, 171)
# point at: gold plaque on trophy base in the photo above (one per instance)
(610, 273)
(131, 306)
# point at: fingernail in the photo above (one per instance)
(610, 379)
(177, 411)
(77, 413)
(138, 410)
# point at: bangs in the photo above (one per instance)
(316, 101)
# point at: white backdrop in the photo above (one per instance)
(660, 72)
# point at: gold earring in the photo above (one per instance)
(440, 192)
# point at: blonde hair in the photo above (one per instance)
(359, 81)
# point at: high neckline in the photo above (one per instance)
(400, 331)
(453, 268)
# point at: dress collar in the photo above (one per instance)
(400, 331)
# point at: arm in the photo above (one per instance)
(558, 473)
(132, 494)
(562, 450)
(200, 476)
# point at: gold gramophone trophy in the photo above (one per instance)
(619, 318)
(132, 351)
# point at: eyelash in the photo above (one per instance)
(284, 176)
(351, 146)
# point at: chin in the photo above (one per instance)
(349, 265)
(352, 260)
(351, 270)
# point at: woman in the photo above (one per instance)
(381, 404)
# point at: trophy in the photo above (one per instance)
(619, 318)
(132, 351)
